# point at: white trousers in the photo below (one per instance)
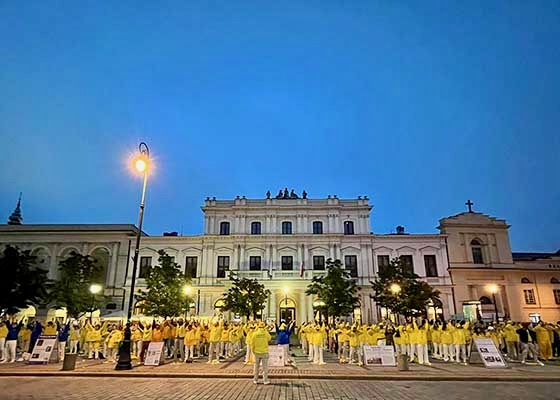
(422, 352)
(448, 352)
(11, 346)
(460, 352)
(261, 359)
(214, 350)
(248, 353)
(189, 355)
(318, 354)
(355, 354)
(74, 346)
(311, 352)
(61, 350)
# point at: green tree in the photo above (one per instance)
(245, 297)
(414, 294)
(71, 290)
(23, 283)
(336, 289)
(165, 295)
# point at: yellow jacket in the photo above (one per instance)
(147, 334)
(157, 335)
(3, 332)
(447, 334)
(114, 339)
(215, 333)
(74, 334)
(136, 335)
(317, 336)
(421, 334)
(180, 331)
(543, 335)
(510, 333)
(191, 338)
(259, 341)
(25, 334)
(93, 334)
(49, 330)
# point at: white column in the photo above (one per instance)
(302, 317)
(274, 228)
(206, 220)
(331, 251)
(329, 224)
(305, 224)
(274, 257)
(242, 258)
(299, 257)
(267, 258)
(272, 305)
(310, 315)
(337, 227)
(235, 257)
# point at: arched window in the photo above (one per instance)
(476, 248)
(317, 228)
(525, 280)
(286, 228)
(554, 280)
(224, 228)
(348, 227)
(485, 300)
(255, 228)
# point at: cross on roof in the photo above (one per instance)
(469, 204)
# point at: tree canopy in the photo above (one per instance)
(165, 295)
(23, 282)
(336, 289)
(72, 289)
(414, 294)
(245, 297)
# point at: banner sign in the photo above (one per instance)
(154, 354)
(45, 350)
(379, 356)
(489, 354)
(276, 356)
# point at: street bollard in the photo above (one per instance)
(69, 362)
(402, 362)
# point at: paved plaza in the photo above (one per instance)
(301, 369)
(15, 388)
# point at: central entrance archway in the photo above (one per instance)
(287, 310)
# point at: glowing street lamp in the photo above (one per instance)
(395, 288)
(95, 288)
(493, 288)
(187, 290)
(141, 164)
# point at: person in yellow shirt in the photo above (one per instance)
(3, 335)
(460, 342)
(224, 342)
(259, 345)
(168, 334)
(512, 340)
(24, 338)
(50, 329)
(179, 345)
(146, 338)
(421, 339)
(436, 341)
(544, 340)
(114, 339)
(354, 341)
(235, 340)
(317, 340)
(446, 335)
(250, 330)
(136, 338)
(191, 339)
(214, 338)
(343, 343)
(302, 335)
(94, 339)
(74, 337)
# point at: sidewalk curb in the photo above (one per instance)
(392, 377)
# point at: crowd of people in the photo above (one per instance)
(215, 340)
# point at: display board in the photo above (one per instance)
(276, 356)
(488, 353)
(379, 356)
(154, 353)
(45, 350)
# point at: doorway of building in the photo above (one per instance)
(287, 310)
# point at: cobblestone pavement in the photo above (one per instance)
(15, 388)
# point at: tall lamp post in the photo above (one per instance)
(141, 165)
(493, 288)
(395, 288)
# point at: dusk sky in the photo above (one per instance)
(419, 105)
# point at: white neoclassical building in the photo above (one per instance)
(282, 241)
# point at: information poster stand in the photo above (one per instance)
(485, 351)
(45, 350)
(276, 356)
(379, 356)
(154, 354)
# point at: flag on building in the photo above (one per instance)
(302, 269)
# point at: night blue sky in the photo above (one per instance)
(420, 106)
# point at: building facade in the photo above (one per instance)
(285, 241)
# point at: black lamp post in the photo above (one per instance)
(141, 164)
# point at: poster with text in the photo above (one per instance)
(379, 356)
(276, 356)
(490, 355)
(43, 350)
(154, 353)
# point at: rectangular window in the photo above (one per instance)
(382, 263)
(529, 295)
(430, 264)
(286, 228)
(477, 255)
(287, 263)
(318, 263)
(348, 227)
(223, 266)
(407, 264)
(224, 228)
(255, 263)
(190, 267)
(317, 228)
(351, 265)
(145, 265)
(255, 228)
(557, 296)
